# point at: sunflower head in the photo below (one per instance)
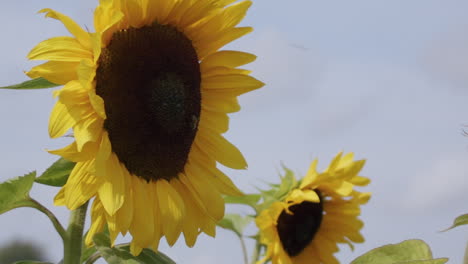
(147, 97)
(320, 211)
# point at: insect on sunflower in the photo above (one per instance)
(147, 97)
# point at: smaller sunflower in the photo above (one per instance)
(307, 225)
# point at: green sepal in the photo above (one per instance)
(278, 192)
(122, 255)
(407, 252)
(288, 182)
(248, 199)
(235, 223)
(57, 174)
(38, 83)
(14, 192)
(461, 220)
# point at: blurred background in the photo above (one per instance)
(387, 80)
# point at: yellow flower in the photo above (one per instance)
(308, 224)
(147, 97)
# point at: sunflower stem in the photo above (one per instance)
(244, 250)
(465, 258)
(73, 244)
(256, 252)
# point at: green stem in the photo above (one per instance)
(244, 250)
(465, 258)
(73, 244)
(53, 219)
(256, 252)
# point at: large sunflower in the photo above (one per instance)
(307, 225)
(147, 97)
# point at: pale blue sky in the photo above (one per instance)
(385, 79)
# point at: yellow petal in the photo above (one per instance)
(334, 163)
(60, 49)
(112, 190)
(98, 103)
(73, 94)
(221, 70)
(135, 249)
(142, 227)
(298, 196)
(81, 35)
(360, 181)
(204, 165)
(106, 19)
(219, 122)
(220, 149)
(125, 214)
(71, 152)
(159, 10)
(82, 185)
(208, 46)
(60, 121)
(88, 130)
(311, 175)
(59, 199)
(194, 214)
(97, 221)
(235, 84)
(172, 210)
(220, 103)
(59, 72)
(86, 72)
(211, 198)
(134, 13)
(224, 20)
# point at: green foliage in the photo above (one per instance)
(38, 83)
(31, 262)
(235, 223)
(57, 174)
(278, 192)
(406, 252)
(122, 255)
(23, 252)
(248, 199)
(14, 193)
(461, 220)
(87, 252)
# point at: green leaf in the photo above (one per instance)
(31, 262)
(288, 182)
(14, 193)
(461, 220)
(38, 83)
(235, 223)
(248, 199)
(57, 174)
(406, 252)
(86, 252)
(122, 255)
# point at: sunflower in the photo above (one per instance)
(307, 225)
(147, 97)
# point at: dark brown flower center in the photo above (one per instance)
(149, 78)
(296, 231)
